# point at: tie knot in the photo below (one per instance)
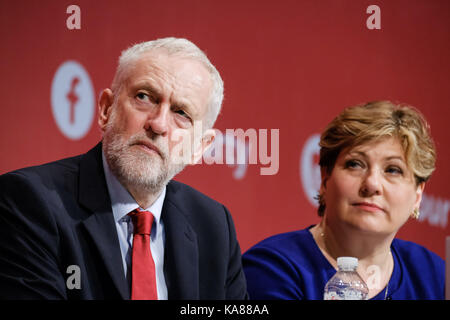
(142, 221)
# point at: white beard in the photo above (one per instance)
(136, 168)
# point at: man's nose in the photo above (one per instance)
(372, 183)
(158, 120)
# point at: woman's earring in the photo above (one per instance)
(416, 214)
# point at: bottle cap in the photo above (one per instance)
(347, 263)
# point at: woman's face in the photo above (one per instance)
(371, 188)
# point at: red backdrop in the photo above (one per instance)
(287, 65)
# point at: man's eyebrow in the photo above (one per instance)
(185, 106)
(146, 86)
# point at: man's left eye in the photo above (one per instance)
(181, 112)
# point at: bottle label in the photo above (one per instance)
(344, 295)
(331, 296)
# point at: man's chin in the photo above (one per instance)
(151, 183)
(139, 169)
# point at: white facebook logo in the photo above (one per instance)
(309, 170)
(72, 100)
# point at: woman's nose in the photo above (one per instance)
(371, 184)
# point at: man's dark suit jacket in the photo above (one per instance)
(59, 214)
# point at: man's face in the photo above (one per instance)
(160, 97)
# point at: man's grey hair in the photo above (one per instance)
(180, 47)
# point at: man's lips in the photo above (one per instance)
(368, 206)
(147, 146)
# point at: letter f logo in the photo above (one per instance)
(72, 99)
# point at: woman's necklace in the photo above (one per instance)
(389, 280)
(387, 289)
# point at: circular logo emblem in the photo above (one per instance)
(309, 168)
(72, 100)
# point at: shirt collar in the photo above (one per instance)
(122, 202)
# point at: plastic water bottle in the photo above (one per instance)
(346, 284)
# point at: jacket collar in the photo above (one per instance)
(181, 256)
(93, 195)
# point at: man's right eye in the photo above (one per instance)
(142, 96)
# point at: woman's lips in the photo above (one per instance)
(368, 206)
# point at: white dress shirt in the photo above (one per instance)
(123, 203)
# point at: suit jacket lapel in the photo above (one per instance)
(181, 252)
(93, 194)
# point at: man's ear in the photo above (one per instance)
(207, 140)
(105, 103)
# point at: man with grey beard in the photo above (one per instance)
(112, 224)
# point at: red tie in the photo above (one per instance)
(143, 279)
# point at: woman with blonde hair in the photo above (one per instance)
(375, 160)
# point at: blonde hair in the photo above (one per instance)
(373, 121)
